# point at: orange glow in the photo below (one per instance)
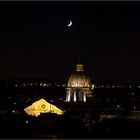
(42, 106)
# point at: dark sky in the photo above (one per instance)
(35, 41)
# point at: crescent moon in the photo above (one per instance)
(69, 24)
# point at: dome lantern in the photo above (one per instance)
(79, 67)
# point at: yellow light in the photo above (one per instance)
(42, 106)
(44, 84)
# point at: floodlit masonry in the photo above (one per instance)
(42, 106)
(79, 86)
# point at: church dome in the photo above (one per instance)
(78, 79)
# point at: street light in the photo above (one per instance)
(118, 107)
(134, 107)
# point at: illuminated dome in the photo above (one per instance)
(79, 79)
(79, 86)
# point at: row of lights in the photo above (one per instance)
(58, 85)
(114, 86)
(33, 84)
(38, 84)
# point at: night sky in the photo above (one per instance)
(35, 41)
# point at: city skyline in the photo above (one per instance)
(36, 42)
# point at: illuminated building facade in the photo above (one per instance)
(79, 86)
(42, 106)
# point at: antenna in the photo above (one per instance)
(79, 61)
